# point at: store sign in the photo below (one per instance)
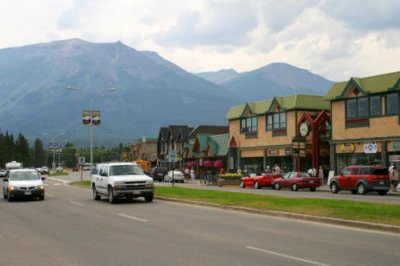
(347, 148)
(370, 147)
(394, 158)
(273, 152)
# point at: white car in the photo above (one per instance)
(121, 180)
(176, 175)
(23, 183)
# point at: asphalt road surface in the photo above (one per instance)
(69, 228)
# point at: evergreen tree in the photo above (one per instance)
(22, 151)
(39, 154)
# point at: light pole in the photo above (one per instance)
(91, 104)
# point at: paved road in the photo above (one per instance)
(69, 228)
(323, 192)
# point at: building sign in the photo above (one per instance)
(370, 147)
(273, 152)
(347, 148)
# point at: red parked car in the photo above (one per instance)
(297, 180)
(362, 179)
(258, 181)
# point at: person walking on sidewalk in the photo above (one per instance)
(394, 178)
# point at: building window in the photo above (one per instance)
(375, 105)
(248, 124)
(276, 121)
(357, 112)
(392, 104)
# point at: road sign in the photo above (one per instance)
(82, 160)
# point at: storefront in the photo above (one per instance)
(365, 153)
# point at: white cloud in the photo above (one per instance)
(336, 39)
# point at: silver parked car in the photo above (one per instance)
(175, 175)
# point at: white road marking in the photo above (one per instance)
(132, 217)
(76, 203)
(287, 256)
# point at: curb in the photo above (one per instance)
(320, 219)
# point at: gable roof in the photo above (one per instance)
(208, 129)
(368, 85)
(291, 102)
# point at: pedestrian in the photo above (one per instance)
(394, 178)
(321, 174)
(222, 171)
(391, 167)
(268, 170)
(277, 169)
(192, 175)
(310, 172)
(187, 174)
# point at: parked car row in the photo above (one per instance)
(359, 179)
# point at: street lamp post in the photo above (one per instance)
(91, 104)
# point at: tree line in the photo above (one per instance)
(18, 149)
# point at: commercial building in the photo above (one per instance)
(268, 132)
(365, 121)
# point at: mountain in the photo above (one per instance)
(151, 92)
(276, 79)
(220, 76)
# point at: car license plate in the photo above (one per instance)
(27, 193)
(380, 182)
(311, 182)
(159, 174)
(135, 192)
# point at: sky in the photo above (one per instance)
(336, 39)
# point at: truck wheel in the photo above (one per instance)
(334, 188)
(111, 197)
(148, 197)
(361, 189)
(96, 196)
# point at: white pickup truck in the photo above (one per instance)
(121, 180)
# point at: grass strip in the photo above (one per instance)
(343, 209)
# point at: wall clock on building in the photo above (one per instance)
(304, 129)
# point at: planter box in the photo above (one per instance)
(229, 182)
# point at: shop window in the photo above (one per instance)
(392, 104)
(375, 106)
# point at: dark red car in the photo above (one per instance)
(361, 179)
(297, 180)
(258, 181)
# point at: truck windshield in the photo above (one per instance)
(125, 170)
(20, 176)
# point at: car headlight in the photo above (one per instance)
(119, 184)
(41, 187)
(11, 188)
(149, 184)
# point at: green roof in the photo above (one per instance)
(368, 85)
(219, 144)
(291, 102)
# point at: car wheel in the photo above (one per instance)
(312, 189)
(242, 184)
(41, 197)
(382, 193)
(148, 197)
(111, 197)
(96, 195)
(9, 198)
(257, 185)
(361, 189)
(353, 191)
(277, 186)
(294, 187)
(334, 188)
